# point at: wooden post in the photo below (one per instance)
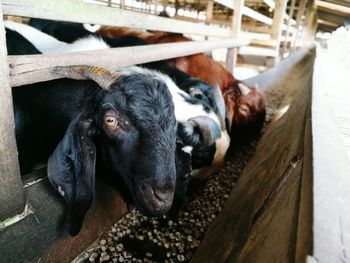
(109, 3)
(301, 11)
(310, 16)
(231, 58)
(290, 18)
(209, 16)
(11, 188)
(276, 30)
(210, 8)
(122, 4)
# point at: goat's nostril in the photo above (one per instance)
(161, 196)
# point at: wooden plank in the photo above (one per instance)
(286, 39)
(310, 17)
(75, 11)
(333, 8)
(274, 232)
(40, 235)
(247, 12)
(231, 57)
(276, 30)
(11, 188)
(258, 51)
(271, 4)
(34, 68)
(304, 231)
(271, 179)
(331, 194)
(300, 14)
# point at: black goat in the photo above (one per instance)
(120, 126)
(204, 154)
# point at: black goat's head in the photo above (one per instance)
(132, 126)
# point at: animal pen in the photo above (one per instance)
(290, 203)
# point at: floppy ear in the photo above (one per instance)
(199, 130)
(71, 170)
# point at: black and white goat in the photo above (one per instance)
(195, 99)
(120, 126)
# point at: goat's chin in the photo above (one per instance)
(152, 208)
(153, 213)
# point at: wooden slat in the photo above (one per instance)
(333, 8)
(74, 11)
(11, 188)
(291, 12)
(258, 51)
(34, 68)
(247, 12)
(280, 9)
(40, 237)
(300, 14)
(231, 57)
(271, 4)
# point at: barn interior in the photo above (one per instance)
(281, 196)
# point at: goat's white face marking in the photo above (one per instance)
(91, 27)
(61, 191)
(187, 149)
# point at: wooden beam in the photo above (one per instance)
(271, 4)
(231, 57)
(209, 11)
(247, 12)
(280, 9)
(34, 68)
(300, 14)
(290, 15)
(327, 23)
(310, 17)
(74, 11)
(333, 8)
(11, 188)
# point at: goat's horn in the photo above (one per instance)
(244, 89)
(210, 130)
(101, 76)
(220, 103)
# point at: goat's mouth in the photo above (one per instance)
(153, 201)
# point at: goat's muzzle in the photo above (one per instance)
(156, 200)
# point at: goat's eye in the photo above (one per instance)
(111, 121)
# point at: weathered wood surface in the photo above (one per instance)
(34, 68)
(259, 222)
(11, 197)
(75, 11)
(39, 236)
